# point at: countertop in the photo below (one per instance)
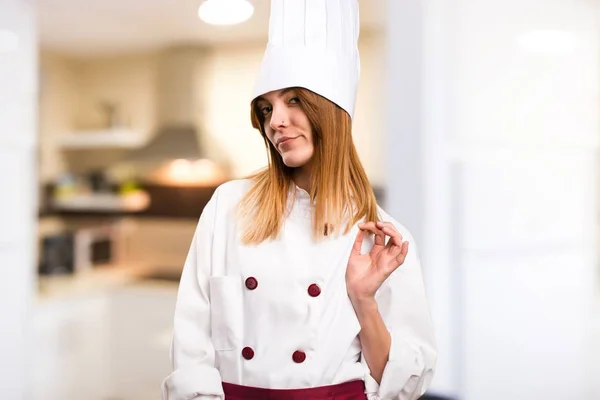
(96, 281)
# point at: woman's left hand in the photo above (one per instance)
(365, 273)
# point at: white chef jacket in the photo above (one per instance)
(217, 315)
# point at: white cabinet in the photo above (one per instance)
(113, 344)
(71, 347)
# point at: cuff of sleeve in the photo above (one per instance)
(406, 375)
(196, 383)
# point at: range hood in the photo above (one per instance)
(170, 143)
(176, 152)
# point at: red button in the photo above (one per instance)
(248, 353)
(314, 290)
(251, 283)
(299, 356)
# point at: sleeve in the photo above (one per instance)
(192, 354)
(404, 308)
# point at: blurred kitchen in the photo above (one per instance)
(477, 121)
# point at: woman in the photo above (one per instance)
(297, 285)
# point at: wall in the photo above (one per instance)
(503, 123)
(75, 88)
(524, 158)
(59, 97)
(129, 81)
(18, 120)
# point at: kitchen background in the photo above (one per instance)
(477, 123)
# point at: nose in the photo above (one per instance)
(279, 117)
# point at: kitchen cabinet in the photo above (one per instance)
(106, 341)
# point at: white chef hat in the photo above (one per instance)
(313, 44)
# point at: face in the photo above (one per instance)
(287, 126)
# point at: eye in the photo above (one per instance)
(265, 110)
(295, 100)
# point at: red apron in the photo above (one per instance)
(354, 390)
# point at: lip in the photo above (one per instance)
(284, 139)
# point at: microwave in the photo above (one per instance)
(95, 246)
(80, 249)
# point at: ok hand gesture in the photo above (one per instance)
(365, 273)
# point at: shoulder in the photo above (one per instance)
(404, 231)
(232, 190)
(225, 198)
(228, 195)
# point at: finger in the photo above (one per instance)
(396, 257)
(392, 249)
(368, 226)
(379, 237)
(383, 224)
(358, 242)
(401, 256)
(395, 236)
(379, 234)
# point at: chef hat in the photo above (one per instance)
(313, 44)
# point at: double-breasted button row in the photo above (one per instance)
(299, 356)
(313, 290)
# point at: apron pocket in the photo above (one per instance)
(226, 312)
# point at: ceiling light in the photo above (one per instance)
(548, 42)
(9, 41)
(225, 12)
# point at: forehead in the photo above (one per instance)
(276, 94)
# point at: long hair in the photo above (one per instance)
(339, 188)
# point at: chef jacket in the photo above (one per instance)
(277, 315)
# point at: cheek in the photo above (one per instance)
(309, 132)
(311, 137)
(268, 132)
(302, 121)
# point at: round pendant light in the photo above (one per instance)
(225, 12)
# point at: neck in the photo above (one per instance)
(301, 177)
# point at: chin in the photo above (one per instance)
(295, 162)
(297, 157)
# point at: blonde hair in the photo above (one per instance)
(339, 187)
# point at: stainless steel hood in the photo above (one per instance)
(173, 142)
